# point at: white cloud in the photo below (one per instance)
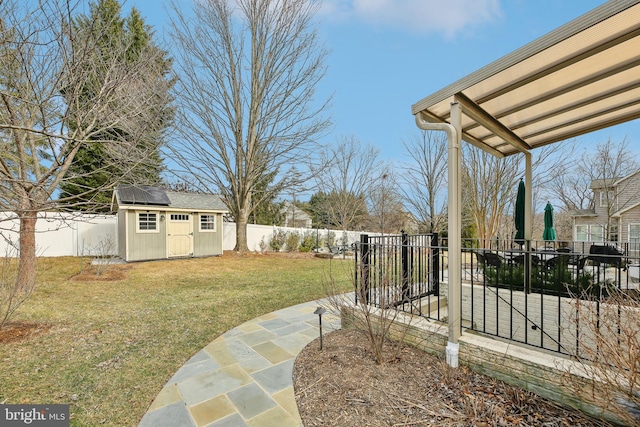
(448, 17)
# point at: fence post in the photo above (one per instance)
(364, 269)
(435, 264)
(404, 256)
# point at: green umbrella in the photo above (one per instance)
(549, 232)
(519, 214)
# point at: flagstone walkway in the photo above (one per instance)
(244, 377)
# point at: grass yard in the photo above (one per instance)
(106, 347)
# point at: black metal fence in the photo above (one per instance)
(551, 295)
(397, 270)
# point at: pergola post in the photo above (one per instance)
(454, 160)
(455, 235)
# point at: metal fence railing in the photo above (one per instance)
(551, 295)
(398, 271)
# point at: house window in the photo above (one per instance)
(207, 222)
(634, 237)
(582, 233)
(147, 222)
(589, 233)
(597, 233)
(606, 198)
(613, 233)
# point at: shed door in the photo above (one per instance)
(179, 235)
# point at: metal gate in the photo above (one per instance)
(392, 270)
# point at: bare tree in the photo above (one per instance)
(386, 211)
(426, 178)
(349, 174)
(46, 63)
(247, 76)
(492, 181)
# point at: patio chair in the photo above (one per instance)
(535, 260)
(488, 259)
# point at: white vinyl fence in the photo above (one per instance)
(63, 234)
(71, 234)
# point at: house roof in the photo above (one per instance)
(290, 209)
(603, 183)
(583, 213)
(142, 195)
(579, 78)
(627, 209)
(611, 182)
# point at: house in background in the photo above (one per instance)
(157, 224)
(295, 217)
(616, 215)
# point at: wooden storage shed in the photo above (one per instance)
(157, 224)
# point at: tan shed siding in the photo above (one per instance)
(146, 246)
(122, 234)
(207, 243)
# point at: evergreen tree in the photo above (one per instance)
(99, 164)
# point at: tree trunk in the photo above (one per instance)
(241, 237)
(27, 264)
(241, 231)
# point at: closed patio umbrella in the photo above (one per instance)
(519, 214)
(549, 232)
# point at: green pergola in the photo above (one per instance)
(579, 78)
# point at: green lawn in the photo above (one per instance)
(112, 345)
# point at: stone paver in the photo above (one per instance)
(244, 377)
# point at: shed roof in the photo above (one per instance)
(196, 201)
(579, 78)
(143, 195)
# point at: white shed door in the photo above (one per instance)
(179, 235)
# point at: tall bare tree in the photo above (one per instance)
(247, 76)
(426, 178)
(386, 210)
(46, 115)
(350, 171)
(492, 181)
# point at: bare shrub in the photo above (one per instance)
(103, 254)
(13, 292)
(607, 337)
(379, 312)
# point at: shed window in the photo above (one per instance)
(207, 222)
(147, 222)
(179, 217)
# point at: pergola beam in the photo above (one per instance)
(477, 114)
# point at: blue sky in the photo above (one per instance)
(388, 54)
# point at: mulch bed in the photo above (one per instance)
(343, 386)
(109, 273)
(19, 331)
